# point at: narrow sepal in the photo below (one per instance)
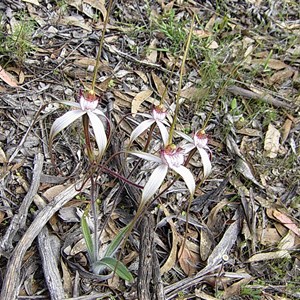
(99, 132)
(205, 162)
(154, 183)
(187, 176)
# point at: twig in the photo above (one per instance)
(159, 293)
(10, 287)
(19, 219)
(114, 50)
(26, 134)
(145, 259)
(238, 91)
(50, 268)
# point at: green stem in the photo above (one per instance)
(101, 42)
(186, 51)
(224, 85)
(95, 218)
(169, 80)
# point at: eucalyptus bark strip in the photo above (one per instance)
(19, 220)
(50, 267)
(10, 287)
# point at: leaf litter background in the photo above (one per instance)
(243, 233)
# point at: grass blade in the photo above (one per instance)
(114, 265)
(87, 236)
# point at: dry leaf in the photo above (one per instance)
(159, 85)
(286, 221)
(35, 2)
(82, 6)
(269, 255)
(271, 63)
(7, 78)
(67, 279)
(188, 259)
(19, 72)
(225, 245)
(99, 5)
(243, 167)
(194, 93)
(249, 132)
(169, 264)
(122, 100)
(202, 33)
(205, 244)
(152, 55)
(2, 215)
(268, 236)
(281, 76)
(52, 192)
(213, 45)
(210, 24)
(75, 21)
(114, 282)
(248, 51)
(80, 246)
(138, 100)
(142, 75)
(85, 62)
(286, 128)
(235, 289)
(288, 242)
(271, 144)
(3, 158)
(202, 295)
(212, 219)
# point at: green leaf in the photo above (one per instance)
(115, 244)
(115, 266)
(87, 236)
(233, 104)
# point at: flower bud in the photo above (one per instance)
(88, 100)
(159, 113)
(172, 156)
(200, 139)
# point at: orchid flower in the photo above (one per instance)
(171, 157)
(87, 106)
(199, 141)
(157, 116)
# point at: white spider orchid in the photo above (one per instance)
(157, 116)
(199, 141)
(171, 157)
(87, 106)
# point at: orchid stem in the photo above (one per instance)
(186, 51)
(95, 218)
(101, 42)
(85, 121)
(169, 80)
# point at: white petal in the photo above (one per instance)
(70, 103)
(63, 122)
(164, 132)
(185, 136)
(99, 131)
(187, 176)
(188, 147)
(205, 161)
(145, 115)
(140, 129)
(147, 156)
(154, 183)
(99, 112)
